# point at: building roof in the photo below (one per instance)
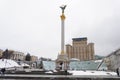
(86, 65)
(49, 65)
(77, 65)
(8, 63)
(79, 39)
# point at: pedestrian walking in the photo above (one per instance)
(66, 72)
(3, 71)
(118, 72)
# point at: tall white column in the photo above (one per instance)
(62, 28)
(62, 36)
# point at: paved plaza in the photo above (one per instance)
(57, 77)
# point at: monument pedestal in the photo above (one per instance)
(62, 62)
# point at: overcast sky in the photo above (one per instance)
(34, 26)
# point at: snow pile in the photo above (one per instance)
(92, 73)
(24, 64)
(7, 63)
(98, 61)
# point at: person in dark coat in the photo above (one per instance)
(117, 71)
(3, 71)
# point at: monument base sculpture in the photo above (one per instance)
(62, 62)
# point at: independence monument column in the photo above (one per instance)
(62, 29)
(62, 61)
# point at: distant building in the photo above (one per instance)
(18, 55)
(45, 59)
(1, 51)
(15, 55)
(113, 60)
(34, 58)
(80, 49)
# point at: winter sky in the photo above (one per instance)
(34, 26)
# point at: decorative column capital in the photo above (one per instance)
(62, 17)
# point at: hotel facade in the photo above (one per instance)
(80, 49)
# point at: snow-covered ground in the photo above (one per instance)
(92, 73)
(24, 64)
